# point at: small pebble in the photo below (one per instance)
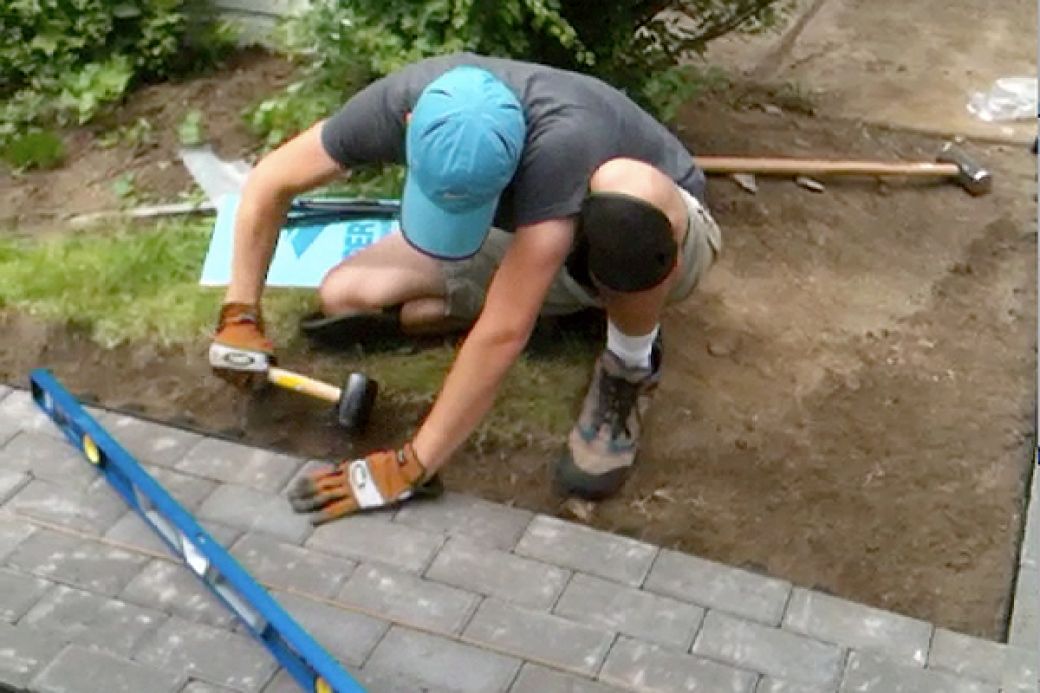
(810, 184)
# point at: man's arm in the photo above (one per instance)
(297, 166)
(513, 302)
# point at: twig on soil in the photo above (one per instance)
(145, 212)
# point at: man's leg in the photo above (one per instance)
(602, 446)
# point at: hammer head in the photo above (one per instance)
(972, 177)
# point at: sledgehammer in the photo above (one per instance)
(952, 162)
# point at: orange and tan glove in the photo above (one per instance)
(240, 350)
(381, 479)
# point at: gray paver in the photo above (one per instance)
(70, 560)
(226, 659)
(348, 636)
(237, 464)
(18, 406)
(868, 672)
(538, 679)
(631, 611)
(375, 538)
(485, 523)
(252, 510)
(131, 530)
(571, 545)
(176, 590)
(13, 531)
(79, 670)
(645, 667)
(767, 650)
(1024, 629)
(8, 428)
(11, 482)
(92, 620)
(768, 684)
(283, 565)
(966, 655)
(416, 602)
(495, 573)
(196, 686)
(1021, 671)
(718, 586)
(18, 592)
(150, 443)
(48, 458)
(23, 652)
(824, 617)
(440, 662)
(187, 489)
(92, 509)
(539, 636)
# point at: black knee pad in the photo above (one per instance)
(629, 242)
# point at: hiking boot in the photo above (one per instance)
(602, 446)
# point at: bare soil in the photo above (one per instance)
(848, 399)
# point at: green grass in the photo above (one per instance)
(139, 282)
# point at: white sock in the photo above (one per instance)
(634, 352)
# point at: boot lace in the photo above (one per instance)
(617, 396)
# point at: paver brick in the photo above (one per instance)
(1021, 671)
(279, 564)
(868, 672)
(495, 573)
(768, 684)
(8, 428)
(376, 539)
(846, 623)
(1024, 629)
(717, 586)
(233, 463)
(573, 546)
(226, 659)
(767, 650)
(539, 636)
(23, 652)
(132, 531)
(79, 670)
(92, 509)
(482, 522)
(47, 458)
(13, 531)
(966, 655)
(538, 679)
(406, 597)
(18, 592)
(196, 686)
(631, 611)
(70, 560)
(11, 482)
(148, 442)
(91, 620)
(186, 489)
(348, 636)
(642, 666)
(18, 406)
(440, 662)
(174, 589)
(256, 511)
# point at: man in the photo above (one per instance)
(529, 190)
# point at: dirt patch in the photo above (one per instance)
(848, 400)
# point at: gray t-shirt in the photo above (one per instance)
(574, 124)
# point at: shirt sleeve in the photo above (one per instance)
(369, 127)
(554, 173)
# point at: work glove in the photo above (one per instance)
(381, 479)
(240, 351)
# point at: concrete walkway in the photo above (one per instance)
(454, 594)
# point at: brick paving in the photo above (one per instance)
(456, 594)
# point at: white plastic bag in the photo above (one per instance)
(1010, 98)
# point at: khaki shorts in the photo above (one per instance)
(467, 280)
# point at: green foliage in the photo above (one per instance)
(190, 132)
(34, 150)
(637, 46)
(62, 61)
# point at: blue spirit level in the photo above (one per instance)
(305, 660)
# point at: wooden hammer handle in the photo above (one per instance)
(817, 167)
(301, 383)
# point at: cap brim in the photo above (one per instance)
(439, 233)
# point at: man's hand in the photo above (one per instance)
(240, 351)
(381, 479)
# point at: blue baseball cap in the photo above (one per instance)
(464, 142)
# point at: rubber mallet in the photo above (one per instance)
(952, 162)
(353, 401)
